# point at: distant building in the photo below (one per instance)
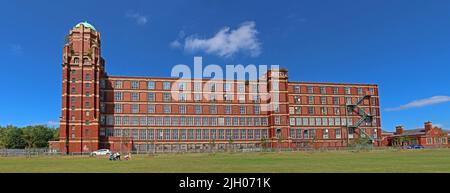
(385, 137)
(125, 113)
(428, 136)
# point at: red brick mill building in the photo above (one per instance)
(141, 113)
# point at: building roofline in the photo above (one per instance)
(165, 78)
(335, 83)
(289, 82)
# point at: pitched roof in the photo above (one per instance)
(420, 131)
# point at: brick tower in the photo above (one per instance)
(83, 67)
(279, 115)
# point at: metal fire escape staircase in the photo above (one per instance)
(365, 117)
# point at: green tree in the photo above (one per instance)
(230, 142)
(55, 134)
(28, 137)
(263, 143)
(12, 137)
(2, 136)
(212, 145)
(362, 143)
(38, 136)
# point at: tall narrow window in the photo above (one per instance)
(297, 110)
(85, 61)
(325, 133)
(118, 108)
(311, 110)
(151, 85)
(347, 90)
(227, 87)
(372, 91)
(198, 109)
(335, 100)
(134, 84)
(242, 109)
(182, 97)
(166, 85)
(297, 89)
(135, 108)
(151, 97)
(337, 111)
(323, 100)
(182, 109)
(167, 109)
(297, 99)
(335, 90)
(118, 96)
(360, 91)
(213, 109)
(310, 89)
(197, 97)
(311, 100)
(241, 88)
(118, 84)
(323, 90)
(134, 96)
(256, 110)
(277, 120)
(151, 108)
(182, 86)
(227, 109)
(338, 133)
(197, 86)
(166, 97)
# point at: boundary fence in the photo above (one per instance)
(49, 152)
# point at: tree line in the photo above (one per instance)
(36, 136)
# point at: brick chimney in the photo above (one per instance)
(428, 126)
(399, 130)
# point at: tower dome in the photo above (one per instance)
(86, 24)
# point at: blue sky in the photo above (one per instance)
(402, 45)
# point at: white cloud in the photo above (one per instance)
(137, 17)
(52, 123)
(16, 49)
(227, 42)
(422, 103)
(175, 44)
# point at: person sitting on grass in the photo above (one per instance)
(118, 156)
(112, 157)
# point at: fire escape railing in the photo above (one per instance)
(364, 116)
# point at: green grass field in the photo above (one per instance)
(428, 160)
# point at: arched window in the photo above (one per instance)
(85, 61)
(76, 60)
